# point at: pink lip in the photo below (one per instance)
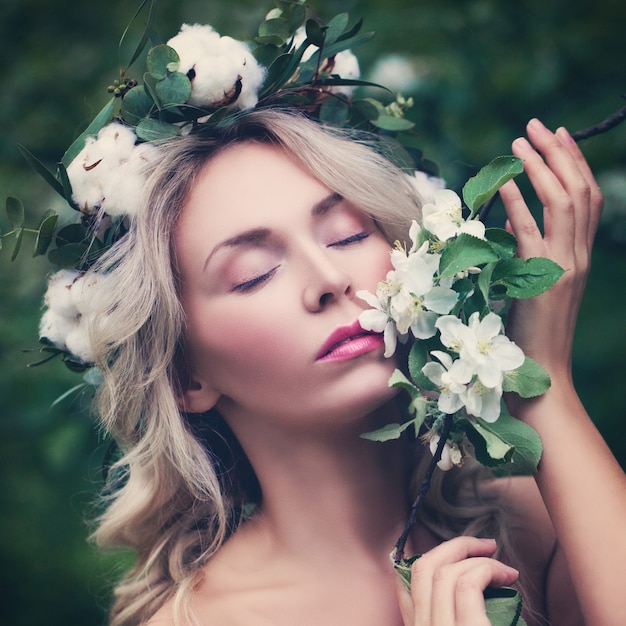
(347, 342)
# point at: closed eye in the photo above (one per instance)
(349, 240)
(249, 285)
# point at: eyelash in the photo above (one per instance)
(254, 282)
(349, 240)
(248, 285)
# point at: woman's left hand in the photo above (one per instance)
(572, 202)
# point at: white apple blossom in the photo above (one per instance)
(378, 320)
(426, 186)
(444, 217)
(451, 454)
(110, 172)
(483, 401)
(452, 378)
(217, 67)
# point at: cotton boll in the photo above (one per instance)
(59, 293)
(193, 42)
(77, 342)
(346, 66)
(55, 328)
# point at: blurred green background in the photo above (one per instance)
(480, 68)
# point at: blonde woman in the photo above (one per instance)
(236, 374)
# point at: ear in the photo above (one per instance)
(198, 397)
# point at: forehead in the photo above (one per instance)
(248, 185)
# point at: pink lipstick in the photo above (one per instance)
(347, 342)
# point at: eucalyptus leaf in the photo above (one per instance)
(464, 252)
(155, 130)
(526, 278)
(529, 380)
(314, 33)
(334, 111)
(489, 179)
(67, 185)
(146, 32)
(174, 89)
(393, 124)
(105, 115)
(277, 27)
(71, 255)
(136, 105)
(45, 232)
(160, 59)
(72, 233)
(266, 53)
(344, 44)
(15, 211)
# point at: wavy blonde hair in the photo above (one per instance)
(176, 492)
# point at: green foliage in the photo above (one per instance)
(480, 188)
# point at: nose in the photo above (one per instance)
(326, 282)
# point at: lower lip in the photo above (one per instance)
(353, 348)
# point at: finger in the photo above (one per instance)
(424, 569)
(595, 198)
(520, 222)
(559, 211)
(405, 602)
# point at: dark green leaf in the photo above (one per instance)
(483, 186)
(418, 357)
(100, 121)
(528, 381)
(344, 44)
(161, 61)
(42, 170)
(67, 185)
(146, 33)
(266, 53)
(526, 278)
(484, 280)
(464, 252)
(71, 255)
(334, 111)
(503, 243)
(314, 33)
(136, 105)
(366, 108)
(175, 88)
(336, 26)
(277, 27)
(72, 233)
(19, 236)
(45, 232)
(15, 211)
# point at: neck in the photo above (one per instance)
(330, 494)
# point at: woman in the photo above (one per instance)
(241, 376)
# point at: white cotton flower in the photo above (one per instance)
(444, 217)
(217, 67)
(77, 342)
(58, 296)
(110, 172)
(55, 328)
(426, 186)
(396, 72)
(450, 454)
(452, 378)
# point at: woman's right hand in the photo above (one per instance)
(447, 584)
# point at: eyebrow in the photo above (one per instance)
(259, 235)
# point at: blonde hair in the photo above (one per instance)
(174, 495)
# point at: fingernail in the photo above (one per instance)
(488, 540)
(563, 134)
(521, 143)
(536, 124)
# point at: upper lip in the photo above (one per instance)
(341, 335)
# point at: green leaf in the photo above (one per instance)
(400, 381)
(175, 88)
(315, 33)
(387, 432)
(503, 606)
(160, 60)
(484, 280)
(526, 278)
(524, 442)
(71, 255)
(394, 124)
(336, 26)
(277, 27)
(529, 380)
(67, 185)
(343, 44)
(15, 211)
(19, 236)
(42, 170)
(136, 105)
(155, 130)
(418, 357)
(489, 447)
(45, 232)
(464, 252)
(502, 242)
(100, 121)
(483, 186)
(146, 33)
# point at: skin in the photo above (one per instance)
(317, 553)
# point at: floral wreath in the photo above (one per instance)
(450, 290)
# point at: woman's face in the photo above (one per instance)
(269, 261)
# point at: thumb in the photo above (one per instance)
(406, 603)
